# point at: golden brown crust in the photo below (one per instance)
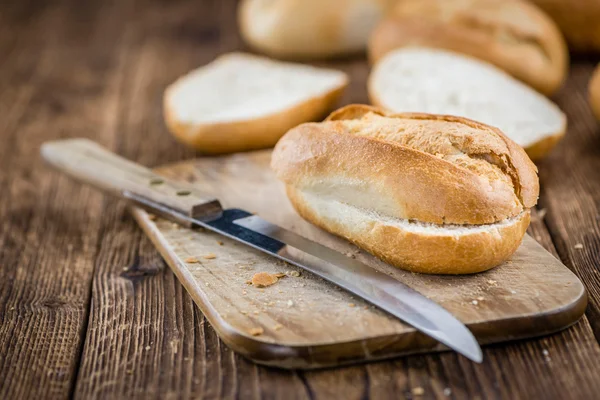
(252, 134)
(405, 182)
(423, 253)
(578, 21)
(541, 149)
(513, 35)
(594, 92)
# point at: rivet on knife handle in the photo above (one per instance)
(91, 163)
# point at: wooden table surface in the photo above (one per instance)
(88, 308)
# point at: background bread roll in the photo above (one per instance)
(413, 79)
(242, 102)
(299, 29)
(594, 92)
(513, 35)
(427, 193)
(579, 20)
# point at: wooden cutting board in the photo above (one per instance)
(303, 321)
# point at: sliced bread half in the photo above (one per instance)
(416, 79)
(242, 102)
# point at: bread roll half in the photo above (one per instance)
(416, 79)
(243, 102)
(426, 193)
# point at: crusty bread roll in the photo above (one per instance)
(427, 193)
(513, 35)
(242, 102)
(594, 92)
(300, 29)
(413, 79)
(579, 21)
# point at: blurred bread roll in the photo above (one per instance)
(579, 20)
(513, 35)
(242, 102)
(309, 29)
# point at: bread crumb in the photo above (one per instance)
(191, 260)
(256, 331)
(244, 312)
(545, 352)
(491, 282)
(475, 302)
(244, 292)
(277, 327)
(152, 217)
(280, 274)
(513, 291)
(351, 305)
(290, 303)
(418, 391)
(256, 312)
(210, 256)
(264, 279)
(447, 392)
(578, 246)
(480, 298)
(220, 243)
(293, 273)
(147, 347)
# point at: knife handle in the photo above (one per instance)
(90, 163)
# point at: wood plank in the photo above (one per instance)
(47, 240)
(570, 189)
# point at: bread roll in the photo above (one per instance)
(300, 29)
(513, 35)
(426, 193)
(594, 92)
(579, 21)
(242, 102)
(412, 79)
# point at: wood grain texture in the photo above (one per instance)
(97, 69)
(309, 323)
(571, 190)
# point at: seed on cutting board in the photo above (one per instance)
(210, 256)
(277, 327)
(156, 181)
(191, 260)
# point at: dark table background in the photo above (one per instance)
(88, 308)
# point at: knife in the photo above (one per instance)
(184, 204)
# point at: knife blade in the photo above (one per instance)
(350, 274)
(184, 204)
